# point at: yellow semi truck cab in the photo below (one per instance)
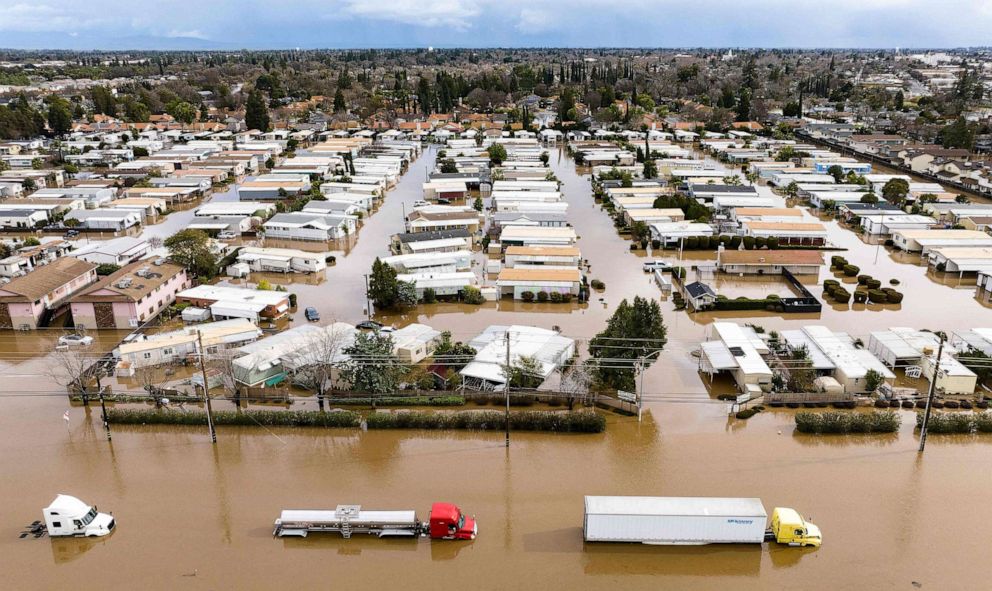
(789, 527)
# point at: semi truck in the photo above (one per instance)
(693, 521)
(445, 522)
(68, 516)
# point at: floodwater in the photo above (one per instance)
(196, 516)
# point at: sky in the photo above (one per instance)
(254, 24)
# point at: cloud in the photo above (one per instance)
(194, 34)
(535, 20)
(459, 14)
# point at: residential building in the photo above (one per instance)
(310, 226)
(168, 347)
(769, 262)
(534, 279)
(130, 296)
(29, 301)
(486, 371)
(116, 251)
(237, 302)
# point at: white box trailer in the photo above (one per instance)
(674, 520)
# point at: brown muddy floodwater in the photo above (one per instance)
(196, 516)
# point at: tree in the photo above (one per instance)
(477, 205)
(453, 355)
(650, 168)
(59, 116)
(873, 379)
(103, 101)
(448, 166)
(958, 135)
(791, 109)
(256, 112)
(406, 294)
(182, 111)
(497, 154)
(639, 231)
(836, 171)
(191, 249)
(802, 376)
(525, 372)
(371, 367)
(744, 104)
(869, 198)
(71, 367)
(895, 191)
(634, 332)
(339, 104)
(313, 366)
(383, 285)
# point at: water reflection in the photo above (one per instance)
(715, 560)
(66, 550)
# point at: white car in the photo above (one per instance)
(75, 339)
(657, 265)
(227, 236)
(420, 203)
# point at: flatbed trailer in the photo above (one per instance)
(445, 522)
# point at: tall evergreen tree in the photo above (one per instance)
(256, 112)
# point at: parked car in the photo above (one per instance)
(658, 265)
(71, 233)
(369, 325)
(227, 236)
(420, 203)
(443, 201)
(75, 339)
(312, 314)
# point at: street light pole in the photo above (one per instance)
(206, 389)
(933, 387)
(368, 301)
(509, 373)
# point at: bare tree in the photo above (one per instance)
(313, 365)
(576, 379)
(222, 362)
(72, 368)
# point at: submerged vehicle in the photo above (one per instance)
(693, 521)
(68, 516)
(445, 522)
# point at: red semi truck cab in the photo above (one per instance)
(447, 522)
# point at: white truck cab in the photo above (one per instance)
(68, 516)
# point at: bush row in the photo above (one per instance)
(543, 296)
(729, 242)
(269, 418)
(840, 422)
(563, 422)
(402, 401)
(957, 422)
(770, 303)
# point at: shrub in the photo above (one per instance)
(949, 422)
(527, 296)
(837, 262)
(714, 242)
(893, 282)
(841, 295)
(860, 296)
(251, 418)
(873, 284)
(656, 244)
(877, 296)
(473, 295)
(747, 413)
(839, 422)
(863, 279)
(749, 242)
(830, 284)
(735, 242)
(542, 296)
(851, 270)
(430, 296)
(402, 400)
(292, 300)
(555, 297)
(692, 243)
(597, 284)
(583, 421)
(894, 297)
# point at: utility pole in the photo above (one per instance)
(368, 302)
(206, 388)
(933, 387)
(640, 387)
(509, 374)
(103, 406)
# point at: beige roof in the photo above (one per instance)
(672, 212)
(768, 211)
(546, 274)
(800, 226)
(771, 257)
(544, 250)
(107, 290)
(961, 234)
(43, 280)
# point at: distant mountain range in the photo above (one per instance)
(108, 43)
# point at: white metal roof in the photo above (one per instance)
(678, 506)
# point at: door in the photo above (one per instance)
(104, 313)
(5, 320)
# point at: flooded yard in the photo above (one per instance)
(195, 516)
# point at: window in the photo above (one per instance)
(56, 524)
(147, 355)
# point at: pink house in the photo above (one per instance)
(26, 301)
(130, 296)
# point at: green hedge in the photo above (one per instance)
(957, 422)
(743, 303)
(563, 422)
(247, 418)
(851, 270)
(847, 422)
(401, 401)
